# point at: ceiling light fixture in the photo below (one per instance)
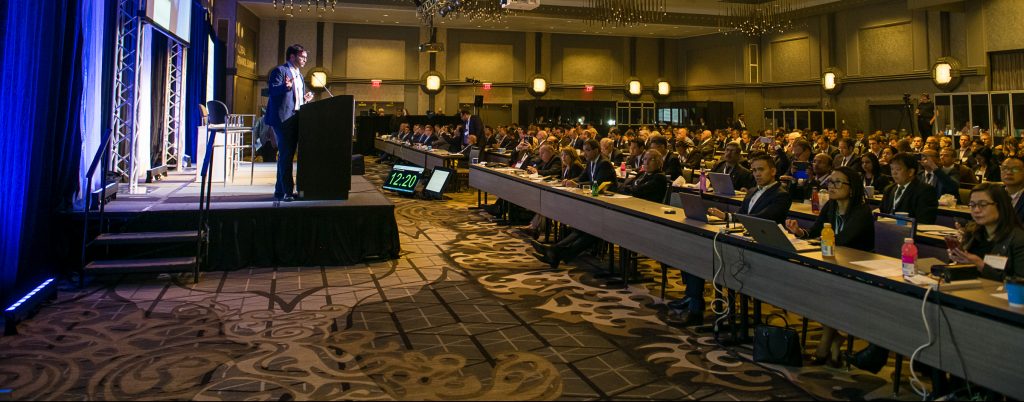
(624, 13)
(756, 20)
(309, 6)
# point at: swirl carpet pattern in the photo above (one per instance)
(465, 313)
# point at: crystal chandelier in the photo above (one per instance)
(756, 20)
(290, 7)
(471, 10)
(624, 13)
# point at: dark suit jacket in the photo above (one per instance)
(772, 205)
(1011, 247)
(552, 168)
(572, 172)
(1019, 207)
(706, 149)
(943, 183)
(281, 104)
(880, 182)
(475, 127)
(858, 226)
(854, 161)
(741, 176)
(617, 157)
(920, 201)
(962, 174)
(597, 172)
(648, 186)
(672, 166)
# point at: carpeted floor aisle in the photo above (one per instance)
(465, 313)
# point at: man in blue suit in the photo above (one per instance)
(287, 94)
(1012, 172)
(471, 125)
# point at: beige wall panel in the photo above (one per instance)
(375, 58)
(367, 93)
(790, 60)
(495, 95)
(646, 60)
(588, 66)
(714, 65)
(1003, 21)
(486, 62)
(886, 49)
(268, 47)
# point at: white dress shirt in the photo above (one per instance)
(298, 91)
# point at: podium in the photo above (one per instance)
(324, 152)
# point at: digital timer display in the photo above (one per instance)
(403, 179)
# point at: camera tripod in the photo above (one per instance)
(906, 117)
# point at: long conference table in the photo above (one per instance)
(876, 305)
(419, 156)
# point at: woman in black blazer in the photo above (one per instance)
(995, 231)
(854, 227)
(987, 167)
(571, 165)
(873, 175)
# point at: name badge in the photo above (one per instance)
(995, 261)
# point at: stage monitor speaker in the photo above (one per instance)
(478, 101)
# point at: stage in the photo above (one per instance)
(248, 228)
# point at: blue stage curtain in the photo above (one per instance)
(195, 82)
(40, 72)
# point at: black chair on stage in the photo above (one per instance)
(234, 127)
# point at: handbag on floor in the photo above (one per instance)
(777, 345)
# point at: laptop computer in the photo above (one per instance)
(693, 207)
(722, 184)
(769, 233)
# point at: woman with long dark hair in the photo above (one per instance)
(994, 231)
(873, 175)
(850, 217)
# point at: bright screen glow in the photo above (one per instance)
(174, 16)
(437, 180)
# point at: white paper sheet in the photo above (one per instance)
(884, 267)
(1003, 296)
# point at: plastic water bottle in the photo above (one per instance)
(822, 198)
(702, 184)
(828, 241)
(909, 258)
(815, 202)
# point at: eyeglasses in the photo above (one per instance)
(1011, 169)
(836, 183)
(979, 204)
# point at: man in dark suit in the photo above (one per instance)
(471, 125)
(671, 165)
(597, 171)
(609, 152)
(650, 185)
(948, 163)
(706, 147)
(908, 194)
(287, 93)
(932, 175)
(846, 156)
(1012, 172)
(740, 124)
(730, 165)
(547, 164)
(768, 200)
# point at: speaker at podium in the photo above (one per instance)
(324, 152)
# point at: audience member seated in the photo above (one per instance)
(846, 155)
(985, 167)
(948, 163)
(820, 170)
(883, 161)
(854, 227)
(608, 151)
(767, 201)
(995, 231)
(730, 165)
(636, 153)
(671, 164)
(596, 172)
(548, 164)
(908, 193)
(650, 185)
(935, 177)
(872, 176)
(1012, 171)
(706, 148)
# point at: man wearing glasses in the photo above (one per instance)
(1012, 173)
(908, 193)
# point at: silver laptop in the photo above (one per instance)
(769, 233)
(694, 208)
(722, 184)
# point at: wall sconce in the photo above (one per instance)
(538, 85)
(318, 78)
(664, 88)
(634, 88)
(946, 73)
(832, 80)
(432, 82)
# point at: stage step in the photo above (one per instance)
(111, 239)
(143, 265)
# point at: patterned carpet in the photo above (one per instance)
(465, 314)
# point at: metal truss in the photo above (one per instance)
(125, 95)
(173, 111)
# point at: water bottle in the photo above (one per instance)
(828, 241)
(701, 182)
(909, 258)
(815, 204)
(822, 197)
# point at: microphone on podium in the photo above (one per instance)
(323, 85)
